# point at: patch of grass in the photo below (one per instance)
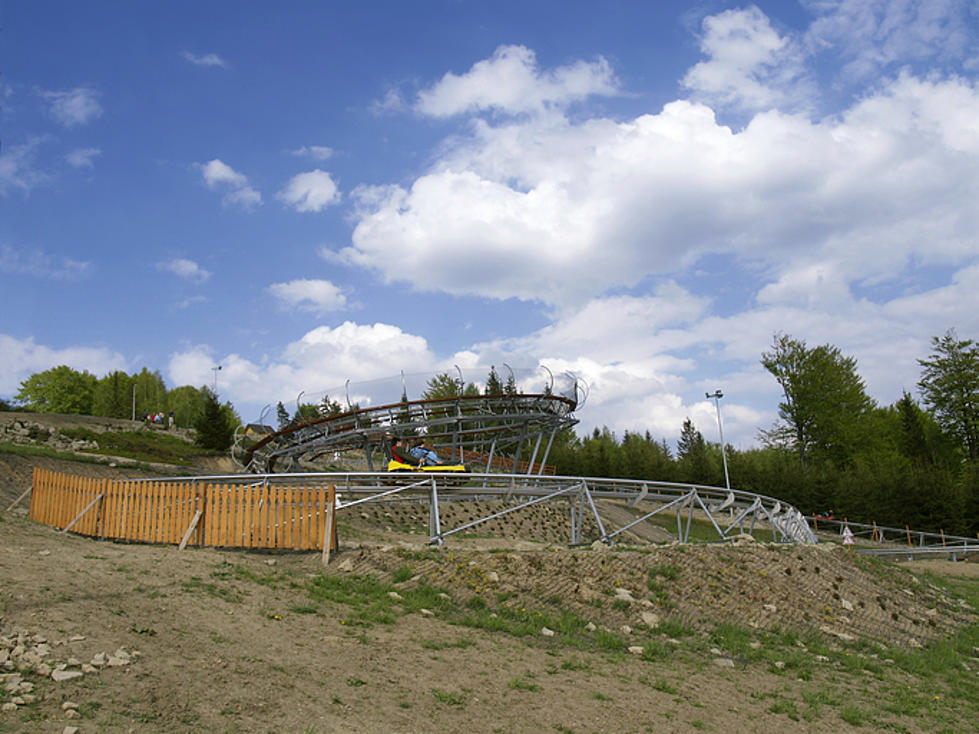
(461, 644)
(524, 683)
(402, 574)
(148, 446)
(785, 706)
(854, 715)
(227, 593)
(450, 698)
(599, 696)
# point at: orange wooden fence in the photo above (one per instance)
(175, 511)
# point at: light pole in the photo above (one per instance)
(215, 370)
(717, 395)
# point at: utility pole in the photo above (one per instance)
(215, 370)
(717, 395)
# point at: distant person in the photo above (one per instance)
(171, 420)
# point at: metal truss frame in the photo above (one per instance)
(732, 513)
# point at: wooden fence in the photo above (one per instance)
(182, 512)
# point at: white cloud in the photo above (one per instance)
(219, 176)
(312, 191)
(319, 296)
(40, 264)
(560, 212)
(511, 82)
(17, 166)
(186, 269)
(205, 60)
(750, 66)
(319, 152)
(83, 157)
(870, 36)
(20, 358)
(75, 107)
(390, 103)
(323, 358)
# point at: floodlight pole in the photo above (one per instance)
(215, 370)
(717, 395)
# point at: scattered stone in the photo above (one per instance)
(72, 714)
(780, 665)
(99, 659)
(591, 627)
(754, 645)
(69, 705)
(395, 595)
(649, 619)
(345, 565)
(637, 649)
(547, 632)
(270, 562)
(846, 605)
(76, 638)
(70, 730)
(626, 629)
(44, 553)
(8, 706)
(770, 607)
(723, 662)
(75, 662)
(87, 669)
(426, 612)
(493, 577)
(63, 675)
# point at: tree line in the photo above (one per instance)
(137, 396)
(833, 448)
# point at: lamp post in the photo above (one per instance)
(717, 395)
(215, 370)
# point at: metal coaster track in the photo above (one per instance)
(731, 513)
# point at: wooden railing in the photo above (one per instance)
(182, 512)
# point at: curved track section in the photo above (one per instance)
(719, 513)
(475, 429)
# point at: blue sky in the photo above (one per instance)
(640, 193)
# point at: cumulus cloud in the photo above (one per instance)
(205, 60)
(319, 296)
(319, 152)
(219, 176)
(186, 269)
(511, 82)
(74, 107)
(20, 358)
(749, 65)
(323, 358)
(557, 211)
(83, 157)
(312, 191)
(40, 264)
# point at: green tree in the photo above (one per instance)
(329, 407)
(58, 390)
(216, 423)
(281, 415)
(306, 411)
(824, 398)
(113, 396)
(441, 386)
(950, 388)
(187, 403)
(151, 392)
(493, 384)
(691, 451)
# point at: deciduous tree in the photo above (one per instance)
(950, 388)
(58, 390)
